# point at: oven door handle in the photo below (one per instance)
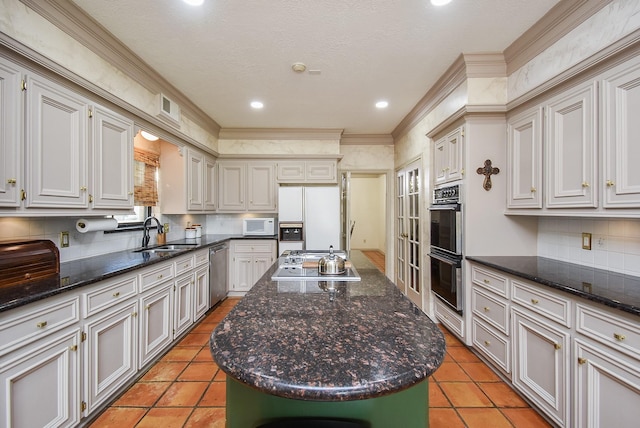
(450, 260)
(448, 207)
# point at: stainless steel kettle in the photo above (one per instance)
(331, 264)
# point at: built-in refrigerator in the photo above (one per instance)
(316, 209)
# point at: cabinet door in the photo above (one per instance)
(621, 132)
(524, 167)
(195, 180)
(156, 323)
(261, 262)
(540, 366)
(232, 186)
(10, 134)
(571, 149)
(321, 171)
(111, 353)
(56, 146)
(261, 187)
(242, 273)
(201, 293)
(183, 305)
(41, 383)
(440, 161)
(210, 183)
(112, 160)
(291, 171)
(607, 388)
(454, 168)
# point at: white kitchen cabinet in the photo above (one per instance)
(524, 164)
(247, 186)
(541, 364)
(571, 148)
(41, 383)
(187, 180)
(183, 304)
(111, 352)
(10, 134)
(156, 322)
(620, 95)
(57, 146)
(607, 387)
(201, 300)
(112, 154)
(447, 157)
(307, 171)
(250, 259)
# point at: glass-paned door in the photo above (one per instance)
(408, 232)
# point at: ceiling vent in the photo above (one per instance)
(168, 110)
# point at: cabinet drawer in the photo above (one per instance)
(107, 294)
(492, 310)
(156, 275)
(253, 247)
(492, 344)
(608, 329)
(449, 318)
(542, 302)
(32, 322)
(202, 257)
(184, 264)
(490, 280)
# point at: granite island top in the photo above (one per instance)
(78, 273)
(292, 340)
(612, 289)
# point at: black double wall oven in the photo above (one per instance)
(446, 246)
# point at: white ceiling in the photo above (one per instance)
(226, 53)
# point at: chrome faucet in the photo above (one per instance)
(145, 230)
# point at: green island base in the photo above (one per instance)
(250, 408)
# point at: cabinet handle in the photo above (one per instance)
(487, 343)
(116, 294)
(83, 188)
(585, 184)
(11, 181)
(130, 193)
(90, 198)
(581, 360)
(534, 301)
(73, 348)
(41, 324)
(486, 281)
(23, 195)
(147, 307)
(534, 190)
(610, 183)
(160, 276)
(487, 309)
(186, 265)
(557, 346)
(619, 337)
(135, 314)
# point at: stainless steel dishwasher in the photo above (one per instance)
(218, 262)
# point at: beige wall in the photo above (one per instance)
(368, 194)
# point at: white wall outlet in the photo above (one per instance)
(64, 239)
(586, 241)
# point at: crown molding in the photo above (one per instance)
(555, 24)
(69, 18)
(279, 134)
(469, 111)
(489, 64)
(366, 139)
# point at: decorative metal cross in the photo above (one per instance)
(487, 170)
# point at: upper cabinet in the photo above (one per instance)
(589, 157)
(307, 171)
(447, 157)
(187, 180)
(78, 155)
(247, 186)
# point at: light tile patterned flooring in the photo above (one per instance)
(187, 389)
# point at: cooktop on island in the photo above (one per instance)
(303, 265)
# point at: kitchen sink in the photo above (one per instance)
(173, 248)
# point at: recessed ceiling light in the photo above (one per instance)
(148, 136)
(440, 2)
(194, 2)
(256, 104)
(382, 104)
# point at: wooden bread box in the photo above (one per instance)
(28, 261)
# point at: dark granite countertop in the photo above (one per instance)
(79, 273)
(289, 339)
(612, 289)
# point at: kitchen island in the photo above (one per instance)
(343, 350)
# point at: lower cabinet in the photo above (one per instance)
(250, 259)
(576, 360)
(41, 383)
(201, 293)
(156, 322)
(111, 352)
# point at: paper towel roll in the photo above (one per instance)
(85, 225)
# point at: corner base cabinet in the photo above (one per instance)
(250, 259)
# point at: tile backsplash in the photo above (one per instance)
(615, 243)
